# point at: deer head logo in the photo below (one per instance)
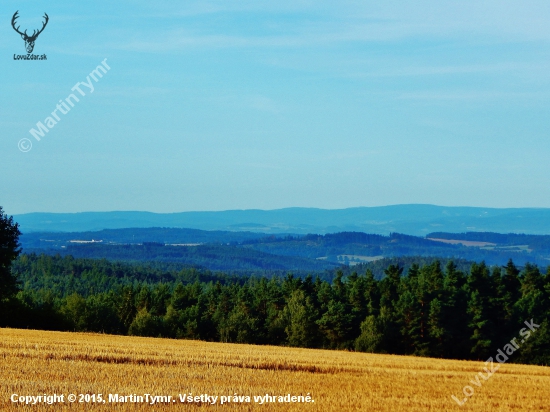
(29, 40)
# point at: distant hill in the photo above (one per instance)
(413, 219)
(55, 240)
(229, 251)
(214, 257)
(500, 239)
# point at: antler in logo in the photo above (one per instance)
(29, 40)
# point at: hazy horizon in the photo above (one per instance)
(280, 208)
(408, 219)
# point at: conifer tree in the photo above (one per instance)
(9, 250)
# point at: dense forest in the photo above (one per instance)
(215, 257)
(429, 310)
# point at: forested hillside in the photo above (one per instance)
(56, 240)
(246, 251)
(214, 257)
(539, 243)
(427, 310)
(357, 247)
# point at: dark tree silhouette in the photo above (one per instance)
(9, 251)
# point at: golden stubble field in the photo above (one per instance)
(36, 363)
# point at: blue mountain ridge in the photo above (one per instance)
(412, 219)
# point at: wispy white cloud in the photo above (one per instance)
(470, 95)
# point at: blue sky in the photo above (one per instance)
(214, 105)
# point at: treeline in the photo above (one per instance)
(48, 240)
(351, 243)
(215, 257)
(427, 311)
(331, 246)
(378, 267)
(65, 275)
(540, 243)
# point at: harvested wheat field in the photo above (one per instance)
(34, 363)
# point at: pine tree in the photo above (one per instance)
(508, 286)
(455, 315)
(9, 251)
(410, 319)
(335, 324)
(389, 286)
(480, 308)
(372, 293)
(356, 288)
(480, 327)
